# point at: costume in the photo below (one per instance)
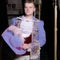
(37, 31)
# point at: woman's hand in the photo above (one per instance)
(26, 46)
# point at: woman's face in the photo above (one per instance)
(29, 8)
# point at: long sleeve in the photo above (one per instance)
(13, 21)
(13, 41)
(41, 37)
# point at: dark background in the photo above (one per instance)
(47, 15)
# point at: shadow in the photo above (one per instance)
(47, 14)
(58, 32)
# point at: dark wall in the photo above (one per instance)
(47, 14)
(3, 15)
(3, 25)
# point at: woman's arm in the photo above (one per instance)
(41, 37)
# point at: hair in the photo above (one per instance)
(29, 1)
